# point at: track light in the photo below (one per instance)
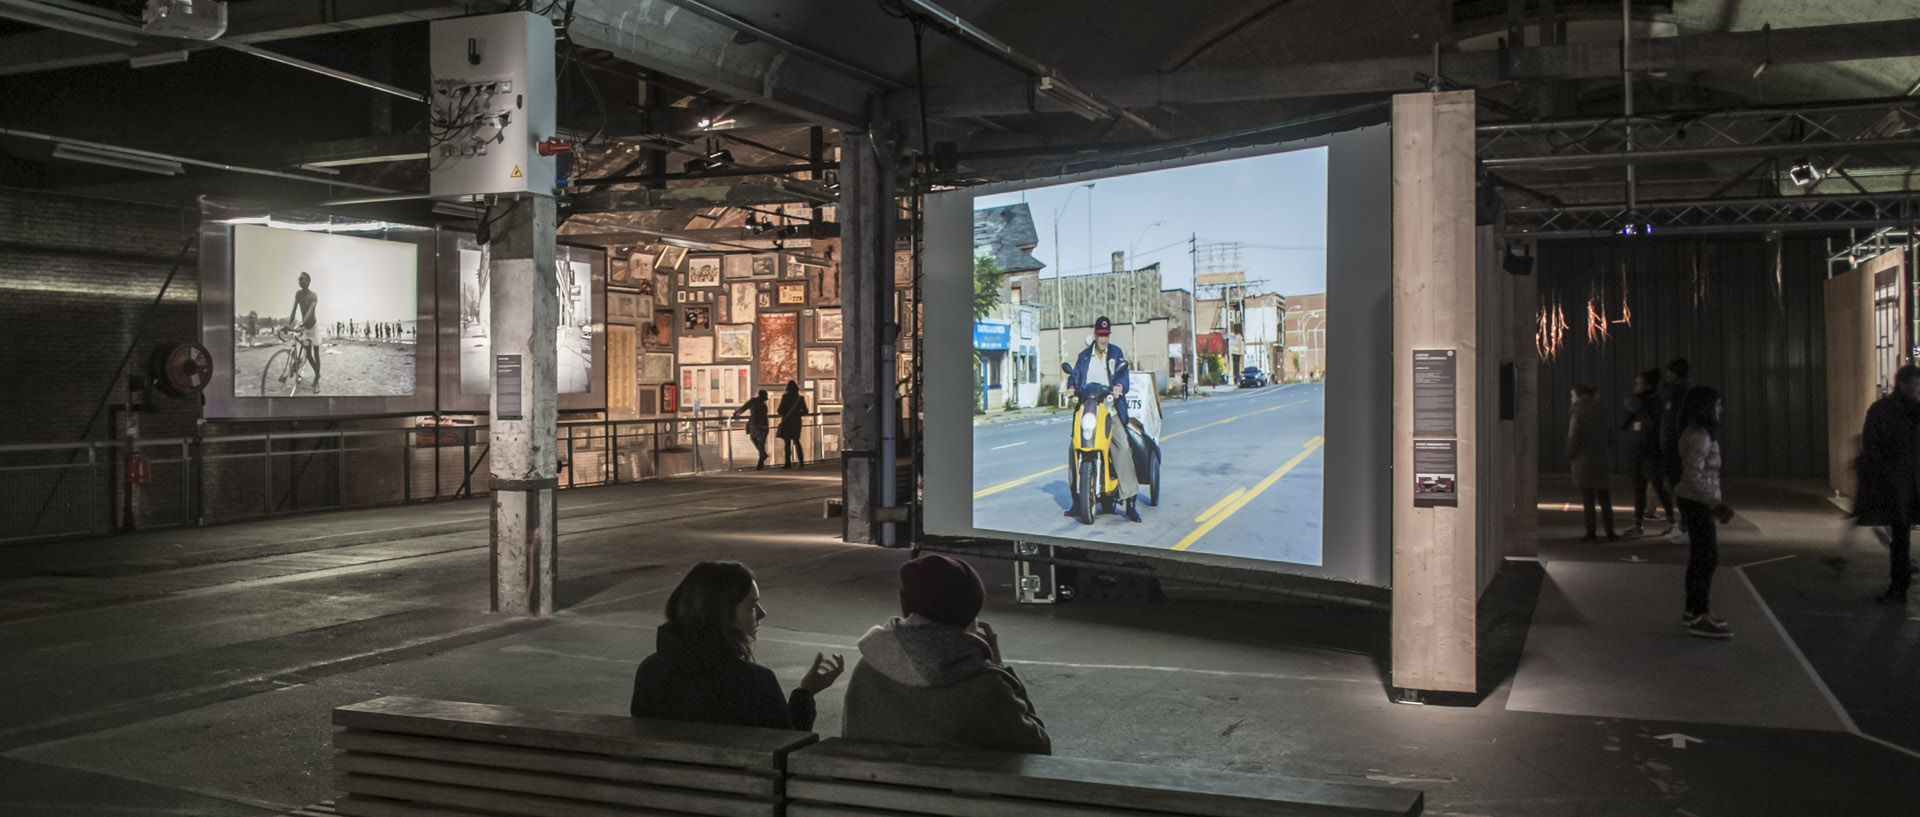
(113, 158)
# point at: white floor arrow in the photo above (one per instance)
(1679, 741)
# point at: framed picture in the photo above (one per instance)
(739, 266)
(829, 390)
(794, 293)
(790, 267)
(670, 258)
(766, 266)
(779, 347)
(617, 271)
(822, 363)
(697, 319)
(644, 283)
(826, 324)
(902, 268)
(649, 402)
(680, 296)
(669, 398)
(660, 285)
(682, 279)
(742, 298)
(640, 270)
(703, 271)
(622, 305)
(733, 341)
(765, 299)
(660, 333)
(656, 367)
(696, 350)
(823, 284)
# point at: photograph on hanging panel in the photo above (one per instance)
(322, 315)
(1189, 308)
(573, 336)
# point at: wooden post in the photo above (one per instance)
(1435, 575)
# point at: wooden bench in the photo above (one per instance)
(408, 757)
(843, 778)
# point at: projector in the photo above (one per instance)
(186, 19)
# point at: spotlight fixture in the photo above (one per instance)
(119, 159)
(714, 159)
(1804, 173)
(684, 243)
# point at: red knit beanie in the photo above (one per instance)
(941, 588)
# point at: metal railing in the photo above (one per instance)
(62, 490)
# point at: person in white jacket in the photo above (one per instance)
(1698, 495)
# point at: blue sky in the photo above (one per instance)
(1276, 205)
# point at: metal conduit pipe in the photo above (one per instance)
(47, 137)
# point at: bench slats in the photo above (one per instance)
(905, 800)
(818, 810)
(486, 802)
(1097, 783)
(737, 747)
(577, 788)
(361, 806)
(543, 760)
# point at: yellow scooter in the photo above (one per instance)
(1090, 475)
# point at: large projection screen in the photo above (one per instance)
(365, 306)
(1292, 477)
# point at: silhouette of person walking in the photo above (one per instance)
(756, 411)
(792, 408)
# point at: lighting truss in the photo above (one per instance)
(1729, 215)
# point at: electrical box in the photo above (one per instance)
(491, 103)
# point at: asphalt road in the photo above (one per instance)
(1240, 476)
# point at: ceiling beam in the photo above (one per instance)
(1737, 51)
(695, 47)
(259, 21)
(680, 198)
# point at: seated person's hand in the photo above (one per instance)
(823, 673)
(992, 639)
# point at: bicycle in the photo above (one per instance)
(283, 368)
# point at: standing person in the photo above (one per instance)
(1642, 428)
(1698, 495)
(306, 303)
(934, 677)
(1587, 445)
(756, 411)
(702, 669)
(1674, 394)
(1184, 380)
(1889, 489)
(792, 408)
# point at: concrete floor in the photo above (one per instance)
(192, 671)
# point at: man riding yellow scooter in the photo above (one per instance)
(1099, 378)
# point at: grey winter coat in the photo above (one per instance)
(923, 683)
(1699, 467)
(1587, 443)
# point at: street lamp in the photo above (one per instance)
(1060, 286)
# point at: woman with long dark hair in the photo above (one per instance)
(793, 407)
(1698, 495)
(703, 668)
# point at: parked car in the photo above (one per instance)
(1252, 378)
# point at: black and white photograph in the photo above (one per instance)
(739, 266)
(573, 336)
(826, 324)
(698, 319)
(790, 267)
(704, 271)
(323, 315)
(741, 301)
(766, 266)
(822, 363)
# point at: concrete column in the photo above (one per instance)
(526, 314)
(867, 216)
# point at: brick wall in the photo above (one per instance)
(77, 275)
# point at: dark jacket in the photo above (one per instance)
(1641, 429)
(924, 683)
(756, 411)
(1587, 444)
(1888, 492)
(792, 408)
(1117, 374)
(701, 677)
(1672, 425)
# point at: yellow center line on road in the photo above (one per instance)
(1221, 504)
(1237, 504)
(1016, 482)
